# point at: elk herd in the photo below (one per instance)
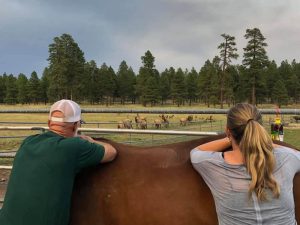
(163, 121)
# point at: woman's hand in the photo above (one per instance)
(216, 146)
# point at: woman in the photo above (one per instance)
(252, 183)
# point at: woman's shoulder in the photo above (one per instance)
(282, 152)
(198, 156)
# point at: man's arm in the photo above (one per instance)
(110, 152)
(216, 146)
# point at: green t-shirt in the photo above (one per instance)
(40, 186)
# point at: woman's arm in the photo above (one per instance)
(216, 146)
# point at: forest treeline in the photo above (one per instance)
(257, 80)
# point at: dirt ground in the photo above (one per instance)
(4, 175)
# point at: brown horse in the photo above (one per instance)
(148, 186)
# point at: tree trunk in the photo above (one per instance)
(253, 98)
(222, 87)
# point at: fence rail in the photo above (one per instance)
(156, 111)
(132, 131)
(98, 122)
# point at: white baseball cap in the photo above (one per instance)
(70, 109)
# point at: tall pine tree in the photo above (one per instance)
(34, 88)
(11, 90)
(2, 88)
(192, 86)
(178, 88)
(22, 85)
(227, 53)
(255, 59)
(126, 81)
(66, 68)
(144, 88)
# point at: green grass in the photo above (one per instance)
(291, 136)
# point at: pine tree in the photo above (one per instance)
(44, 85)
(2, 88)
(227, 53)
(286, 75)
(280, 94)
(111, 86)
(255, 58)
(66, 68)
(146, 72)
(272, 75)
(209, 85)
(191, 85)
(126, 81)
(22, 85)
(295, 80)
(165, 86)
(34, 88)
(241, 84)
(232, 84)
(11, 90)
(296, 68)
(90, 82)
(178, 88)
(151, 91)
(107, 82)
(203, 82)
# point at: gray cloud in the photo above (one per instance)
(179, 33)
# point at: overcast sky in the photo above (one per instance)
(179, 33)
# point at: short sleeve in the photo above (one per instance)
(198, 156)
(90, 154)
(204, 162)
(293, 160)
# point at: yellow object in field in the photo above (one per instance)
(277, 129)
(277, 120)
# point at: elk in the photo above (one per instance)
(163, 121)
(128, 124)
(120, 125)
(140, 121)
(157, 123)
(183, 121)
(143, 124)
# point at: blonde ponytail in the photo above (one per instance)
(244, 122)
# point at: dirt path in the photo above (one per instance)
(4, 175)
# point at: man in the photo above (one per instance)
(41, 182)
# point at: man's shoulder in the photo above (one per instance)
(77, 142)
(30, 138)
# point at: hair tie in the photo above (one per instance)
(250, 120)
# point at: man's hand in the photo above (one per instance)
(110, 151)
(88, 138)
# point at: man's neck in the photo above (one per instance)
(62, 133)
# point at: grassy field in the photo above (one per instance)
(292, 131)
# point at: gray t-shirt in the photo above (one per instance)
(229, 185)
